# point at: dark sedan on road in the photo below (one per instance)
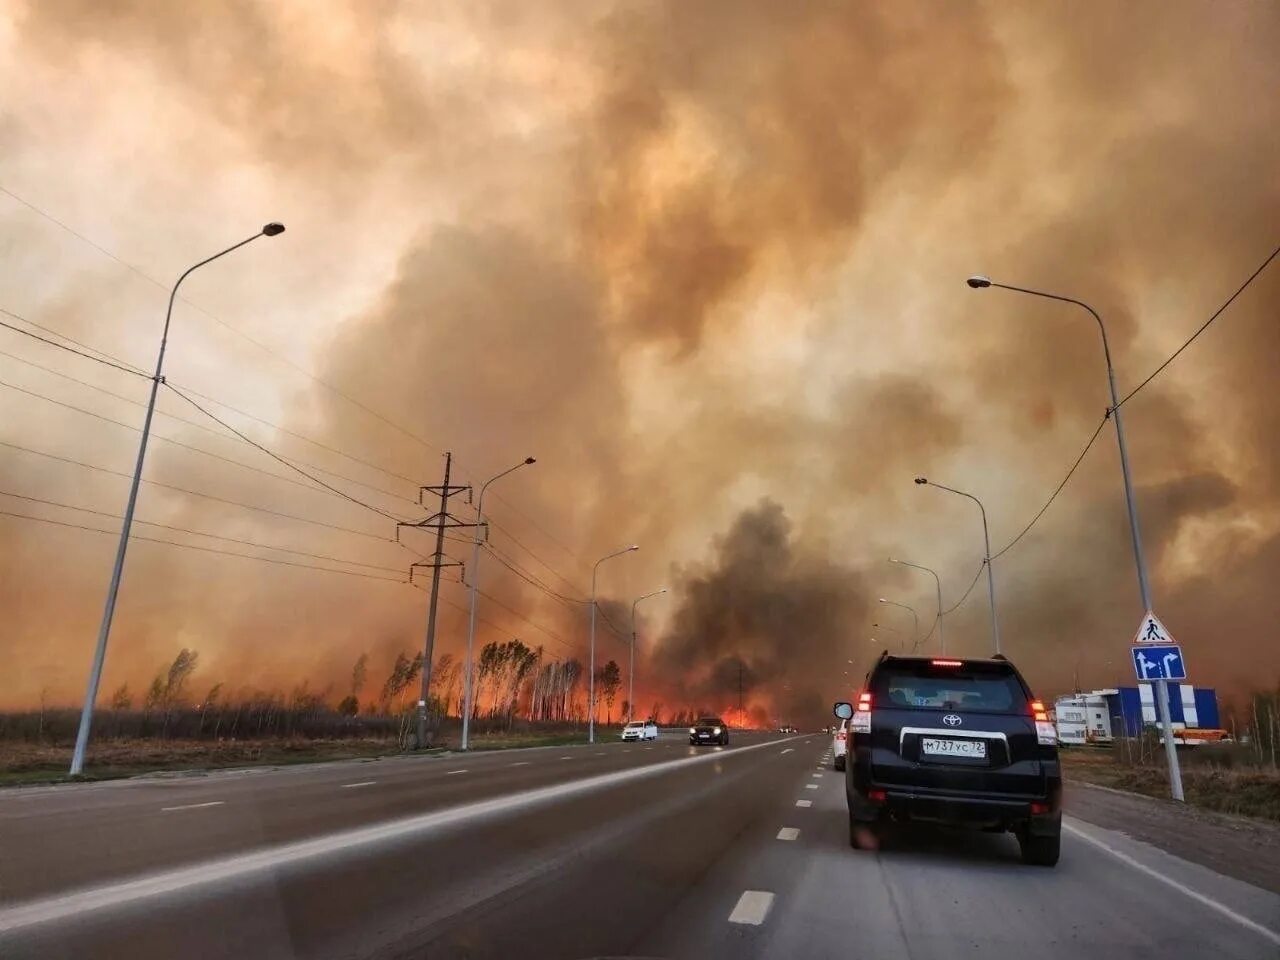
(709, 730)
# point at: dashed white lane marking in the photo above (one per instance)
(566, 758)
(752, 907)
(1196, 895)
(811, 786)
(788, 833)
(788, 750)
(165, 884)
(194, 806)
(454, 773)
(362, 783)
(599, 753)
(817, 775)
(804, 803)
(519, 763)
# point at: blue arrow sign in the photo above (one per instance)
(1159, 662)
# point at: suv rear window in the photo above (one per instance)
(710, 722)
(979, 686)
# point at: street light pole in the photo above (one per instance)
(1139, 558)
(915, 635)
(481, 530)
(591, 675)
(117, 571)
(942, 643)
(631, 672)
(986, 540)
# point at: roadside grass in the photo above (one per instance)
(23, 762)
(1251, 791)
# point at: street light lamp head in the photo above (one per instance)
(529, 460)
(883, 600)
(273, 229)
(922, 480)
(634, 546)
(977, 282)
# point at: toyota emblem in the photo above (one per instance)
(951, 720)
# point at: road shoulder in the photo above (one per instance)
(1238, 847)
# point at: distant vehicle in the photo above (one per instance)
(786, 729)
(709, 730)
(957, 741)
(839, 744)
(640, 730)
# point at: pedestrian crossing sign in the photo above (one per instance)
(1151, 630)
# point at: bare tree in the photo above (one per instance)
(121, 698)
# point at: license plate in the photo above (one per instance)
(934, 746)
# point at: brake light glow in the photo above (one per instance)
(861, 722)
(877, 796)
(947, 663)
(1046, 732)
(1038, 711)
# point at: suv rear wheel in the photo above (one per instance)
(1040, 851)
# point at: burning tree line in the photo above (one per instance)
(512, 682)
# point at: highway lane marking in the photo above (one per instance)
(752, 907)
(194, 806)
(788, 833)
(788, 750)
(599, 753)
(519, 763)
(452, 773)
(1196, 895)
(362, 783)
(804, 803)
(566, 758)
(388, 835)
(818, 775)
(811, 786)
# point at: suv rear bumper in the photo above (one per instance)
(1041, 814)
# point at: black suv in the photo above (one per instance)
(957, 741)
(709, 730)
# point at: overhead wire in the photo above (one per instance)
(196, 493)
(203, 549)
(1201, 329)
(197, 533)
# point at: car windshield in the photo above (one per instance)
(709, 722)
(976, 685)
(635, 726)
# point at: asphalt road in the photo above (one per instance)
(657, 850)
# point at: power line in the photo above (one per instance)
(63, 346)
(192, 546)
(1204, 326)
(328, 386)
(169, 440)
(531, 579)
(291, 466)
(197, 493)
(197, 533)
(1008, 546)
(222, 323)
(183, 420)
(956, 606)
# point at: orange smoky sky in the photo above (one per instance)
(706, 262)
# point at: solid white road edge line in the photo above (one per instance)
(788, 833)
(362, 783)
(392, 832)
(194, 806)
(1196, 895)
(752, 907)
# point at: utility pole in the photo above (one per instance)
(440, 521)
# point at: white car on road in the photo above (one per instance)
(840, 745)
(640, 730)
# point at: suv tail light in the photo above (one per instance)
(861, 722)
(1046, 732)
